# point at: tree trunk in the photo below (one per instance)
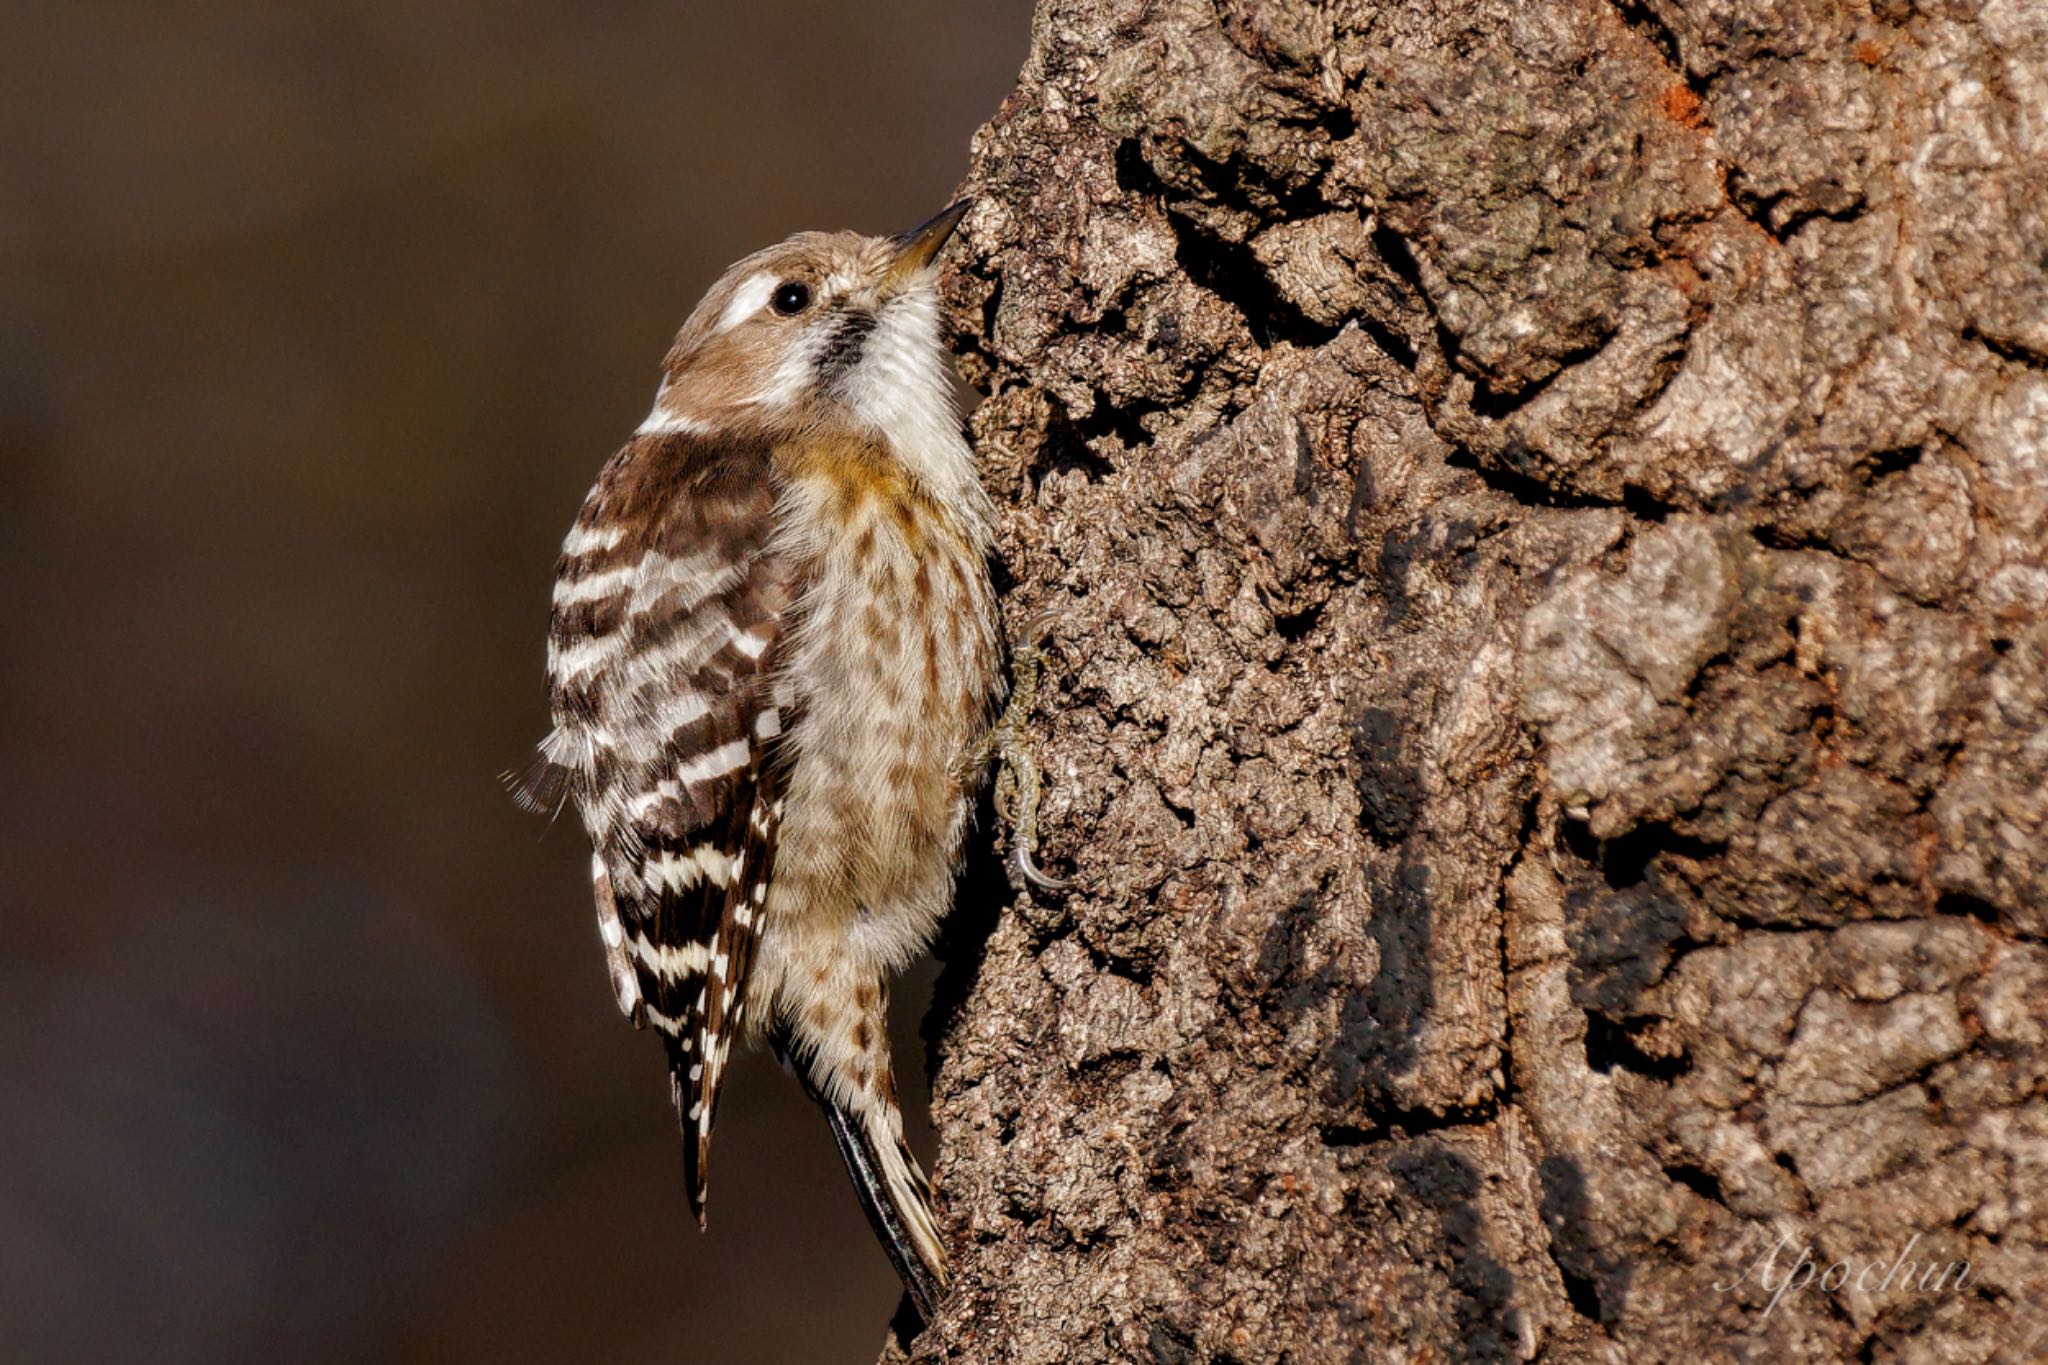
(1543, 506)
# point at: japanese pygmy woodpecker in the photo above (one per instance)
(772, 665)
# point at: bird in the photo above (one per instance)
(774, 661)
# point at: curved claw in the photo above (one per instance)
(1020, 858)
(1039, 628)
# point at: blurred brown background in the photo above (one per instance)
(316, 320)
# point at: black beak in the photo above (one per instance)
(920, 246)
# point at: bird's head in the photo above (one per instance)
(825, 327)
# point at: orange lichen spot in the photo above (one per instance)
(1685, 276)
(1868, 52)
(1681, 105)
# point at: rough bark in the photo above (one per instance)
(1543, 505)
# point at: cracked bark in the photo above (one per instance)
(1544, 505)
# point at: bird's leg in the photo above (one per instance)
(1017, 776)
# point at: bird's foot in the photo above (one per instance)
(1017, 775)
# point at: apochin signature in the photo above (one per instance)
(1868, 1277)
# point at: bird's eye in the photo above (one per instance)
(791, 298)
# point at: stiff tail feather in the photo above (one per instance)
(892, 1189)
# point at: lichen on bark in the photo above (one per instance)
(1544, 507)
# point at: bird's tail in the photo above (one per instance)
(867, 1123)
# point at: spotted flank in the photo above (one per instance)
(668, 605)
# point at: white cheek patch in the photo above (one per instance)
(749, 299)
(791, 378)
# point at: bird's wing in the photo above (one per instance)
(669, 612)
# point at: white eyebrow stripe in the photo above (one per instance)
(747, 300)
